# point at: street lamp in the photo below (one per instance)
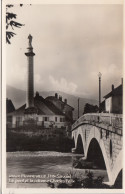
(99, 75)
(78, 108)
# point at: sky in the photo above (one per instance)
(72, 43)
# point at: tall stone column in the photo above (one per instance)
(30, 75)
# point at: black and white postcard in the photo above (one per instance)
(62, 96)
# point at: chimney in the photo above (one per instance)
(65, 100)
(56, 95)
(112, 87)
(122, 81)
(37, 94)
(60, 98)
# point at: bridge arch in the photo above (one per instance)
(95, 133)
(79, 147)
(107, 137)
(75, 136)
(112, 173)
(95, 155)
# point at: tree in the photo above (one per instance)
(88, 108)
(11, 23)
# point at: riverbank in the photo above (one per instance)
(38, 141)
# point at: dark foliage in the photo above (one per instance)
(9, 106)
(88, 108)
(89, 181)
(11, 23)
(37, 141)
(51, 185)
(8, 36)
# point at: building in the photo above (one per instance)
(50, 112)
(114, 100)
(47, 114)
(65, 108)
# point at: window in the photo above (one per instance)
(19, 119)
(9, 118)
(46, 118)
(56, 119)
(62, 119)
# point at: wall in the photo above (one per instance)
(117, 104)
(114, 104)
(108, 104)
(68, 111)
(51, 120)
(40, 120)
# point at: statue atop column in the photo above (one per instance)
(30, 48)
(30, 40)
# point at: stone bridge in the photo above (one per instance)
(99, 137)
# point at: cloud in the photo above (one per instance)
(72, 44)
(38, 79)
(62, 85)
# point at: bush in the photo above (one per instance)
(88, 182)
(35, 141)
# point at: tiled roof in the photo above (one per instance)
(43, 107)
(57, 99)
(39, 103)
(53, 108)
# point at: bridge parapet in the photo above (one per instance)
(107, 121)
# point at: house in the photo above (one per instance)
(65, 108)
(114, 100)
(47, 114)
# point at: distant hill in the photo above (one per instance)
(18, 98)
(16, 95)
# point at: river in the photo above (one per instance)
(27, 169)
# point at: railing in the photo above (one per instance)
(111, 122)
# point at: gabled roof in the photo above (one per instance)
(46, 107)
(53, 108)
(115, 92)
(57, 99)
(42, 106)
